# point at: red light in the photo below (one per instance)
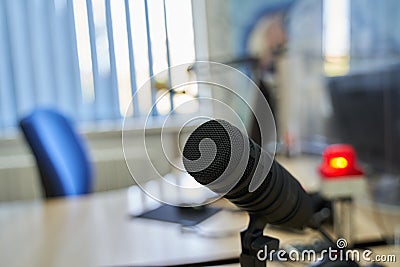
(339, 160)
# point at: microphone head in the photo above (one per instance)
(219, 156)
(216, 149)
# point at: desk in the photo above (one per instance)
(95, 230)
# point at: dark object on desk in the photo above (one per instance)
(367, 114)
(60, 155)
(186, 216)
(322, 208)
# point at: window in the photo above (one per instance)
(336, 36)
(89, 57)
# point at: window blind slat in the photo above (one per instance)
(131, 59)
(93, 53)
(113, 98)
(61, 43)
(150, 56)
(43, 72)
(71, 75)
(20, 56)
(171, 92)
(8, 116)
(83, 112)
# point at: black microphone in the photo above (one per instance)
(213, 155)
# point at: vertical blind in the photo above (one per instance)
(88, 58)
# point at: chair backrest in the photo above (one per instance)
(63, 162)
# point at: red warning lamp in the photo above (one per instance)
(339, 160)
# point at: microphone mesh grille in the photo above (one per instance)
(227, 155)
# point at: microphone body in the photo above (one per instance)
(279, 198)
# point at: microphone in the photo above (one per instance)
(219, 156)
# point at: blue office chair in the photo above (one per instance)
(63, 162)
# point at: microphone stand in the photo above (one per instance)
(254, 243)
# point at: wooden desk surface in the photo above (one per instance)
(95, 230)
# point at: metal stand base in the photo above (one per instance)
(255, 245)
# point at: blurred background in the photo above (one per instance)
(329, 69)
